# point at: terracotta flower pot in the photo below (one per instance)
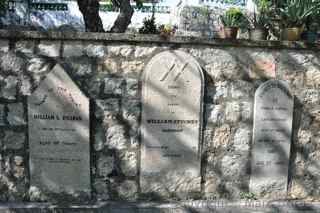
(258, 34)
(292, 34)
(230, 32)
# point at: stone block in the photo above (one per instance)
(221, 91)
(4, 45)
(99, 138)
(310, 97)
(214, 114)
(12, 63)
(131, 110)
(145, 51)
(14, 166)
(313, 77)
(105, 165)
(116, 137)
(16, 114)
(96, 50)
(242, 139)
(25, 46)
(263, 67)
(132, 67)
(128, 163)
(234, 166)
(81, 66)
(13, 140)
(49, 48)
(94, 87)
(128, 190)
(107, 107)
(109, 65)
(38, 65)
(132, 87)
(102, 189)
(222, 137)
(233, 112)
(246, 111)
(8, 87)
(121, 50)
(113, 86)
(242, 90)
(25, 86)
(73, 49)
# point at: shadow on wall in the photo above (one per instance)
(303, 169)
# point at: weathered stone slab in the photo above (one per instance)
(172, 96)
(271, 139)
(58, 115)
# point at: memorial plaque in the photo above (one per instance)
(58, 118)
(172, 93)
(272, 131)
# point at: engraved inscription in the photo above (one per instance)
(171, 123)
(271, 137)
(58, 116)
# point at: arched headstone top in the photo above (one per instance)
(269, 86)
(170, 62)
(171, 124)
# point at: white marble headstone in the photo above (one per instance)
(172, 94)
(58, 120)
(272, 130)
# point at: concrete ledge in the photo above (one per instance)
(178, 207)
(140, 38)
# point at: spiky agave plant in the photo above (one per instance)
(233, 17)
(294, 13)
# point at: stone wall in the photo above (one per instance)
(108, 69)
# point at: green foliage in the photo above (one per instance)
(234, 17)
(295, 13)
(149, 26)
(3, 7)
(247, 196)
(262, 17)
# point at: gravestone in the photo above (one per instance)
(272, 132)
(172, 93)
(58, 118)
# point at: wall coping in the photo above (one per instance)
(140, 38)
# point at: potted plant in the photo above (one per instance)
(294, 14)
(259, 20)
(311, 33)
(167, 30)
(149, 26)
(232, 20)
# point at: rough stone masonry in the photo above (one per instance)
(108, 69)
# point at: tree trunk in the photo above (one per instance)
(90, 12)
(124, 18)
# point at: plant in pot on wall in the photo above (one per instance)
(294, 15)
(232, 20)
(311, 32)
(259, 20)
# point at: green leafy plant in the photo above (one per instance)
(167, 30)
(247, 196)
(261, 17)
(3, 7)
(149, 26)
(295, 13)
(233, 17)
